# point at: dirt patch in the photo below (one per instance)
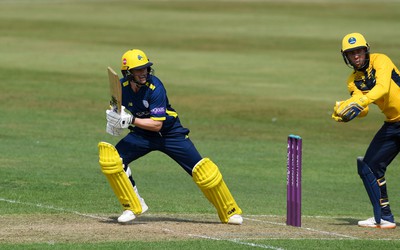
(155, 227)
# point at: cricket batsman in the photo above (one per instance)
(375, 79)
(154, 125)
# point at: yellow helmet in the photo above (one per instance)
(353, 41)
(134, 59)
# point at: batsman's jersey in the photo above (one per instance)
(380, 83)
(151, 101)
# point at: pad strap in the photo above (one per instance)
(384, 201)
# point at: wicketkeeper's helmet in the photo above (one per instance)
(354, 41)
(135, 59)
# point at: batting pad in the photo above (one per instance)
(371, 186)
(209, 179)
(111, 166)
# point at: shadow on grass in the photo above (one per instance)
(346, 221)
(149, 218)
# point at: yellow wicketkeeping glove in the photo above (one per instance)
(335, 116)
(364, 112)
(359, 99)
(345, 111)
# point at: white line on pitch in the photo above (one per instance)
(104, 218)
(237, 242)
(304, 228)
(54, 208)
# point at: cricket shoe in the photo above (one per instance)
(128, 215)
(372, 223)
(235, 219)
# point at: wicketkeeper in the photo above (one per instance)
(155, 125)
(376, 80)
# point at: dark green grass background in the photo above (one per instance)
(242, 76)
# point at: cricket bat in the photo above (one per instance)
(115, 90)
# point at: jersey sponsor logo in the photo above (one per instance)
(158, 111)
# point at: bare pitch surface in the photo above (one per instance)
(67, 228)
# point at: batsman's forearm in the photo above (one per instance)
(148, 124)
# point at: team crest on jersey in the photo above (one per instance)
(146, 103)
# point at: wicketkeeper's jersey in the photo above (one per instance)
(380, 82)
(151, 101)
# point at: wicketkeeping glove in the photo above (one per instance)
(360, 99)
(345, 111)
(335, 115)
(351, 111)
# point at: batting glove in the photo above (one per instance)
(123, 120)
(126, 118)
(110, 129)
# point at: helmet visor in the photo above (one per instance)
(149, 64)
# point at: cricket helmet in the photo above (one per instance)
(354, 41)
(134, 59)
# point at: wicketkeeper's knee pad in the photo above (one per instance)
(209, 179)
(371, 185)
(111, 166)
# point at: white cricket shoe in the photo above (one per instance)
(235, 219)
(126, 216)
(372, 223)
(129, 215)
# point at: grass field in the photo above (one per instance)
(242, 76)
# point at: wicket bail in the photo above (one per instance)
(293, 181)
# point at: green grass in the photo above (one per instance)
(273, 244)
(242, 76)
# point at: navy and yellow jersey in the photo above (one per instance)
(151, 101)
(380, 83)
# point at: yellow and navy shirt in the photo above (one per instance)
(151, 101)
(380, 83)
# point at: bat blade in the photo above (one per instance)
(115, 90)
